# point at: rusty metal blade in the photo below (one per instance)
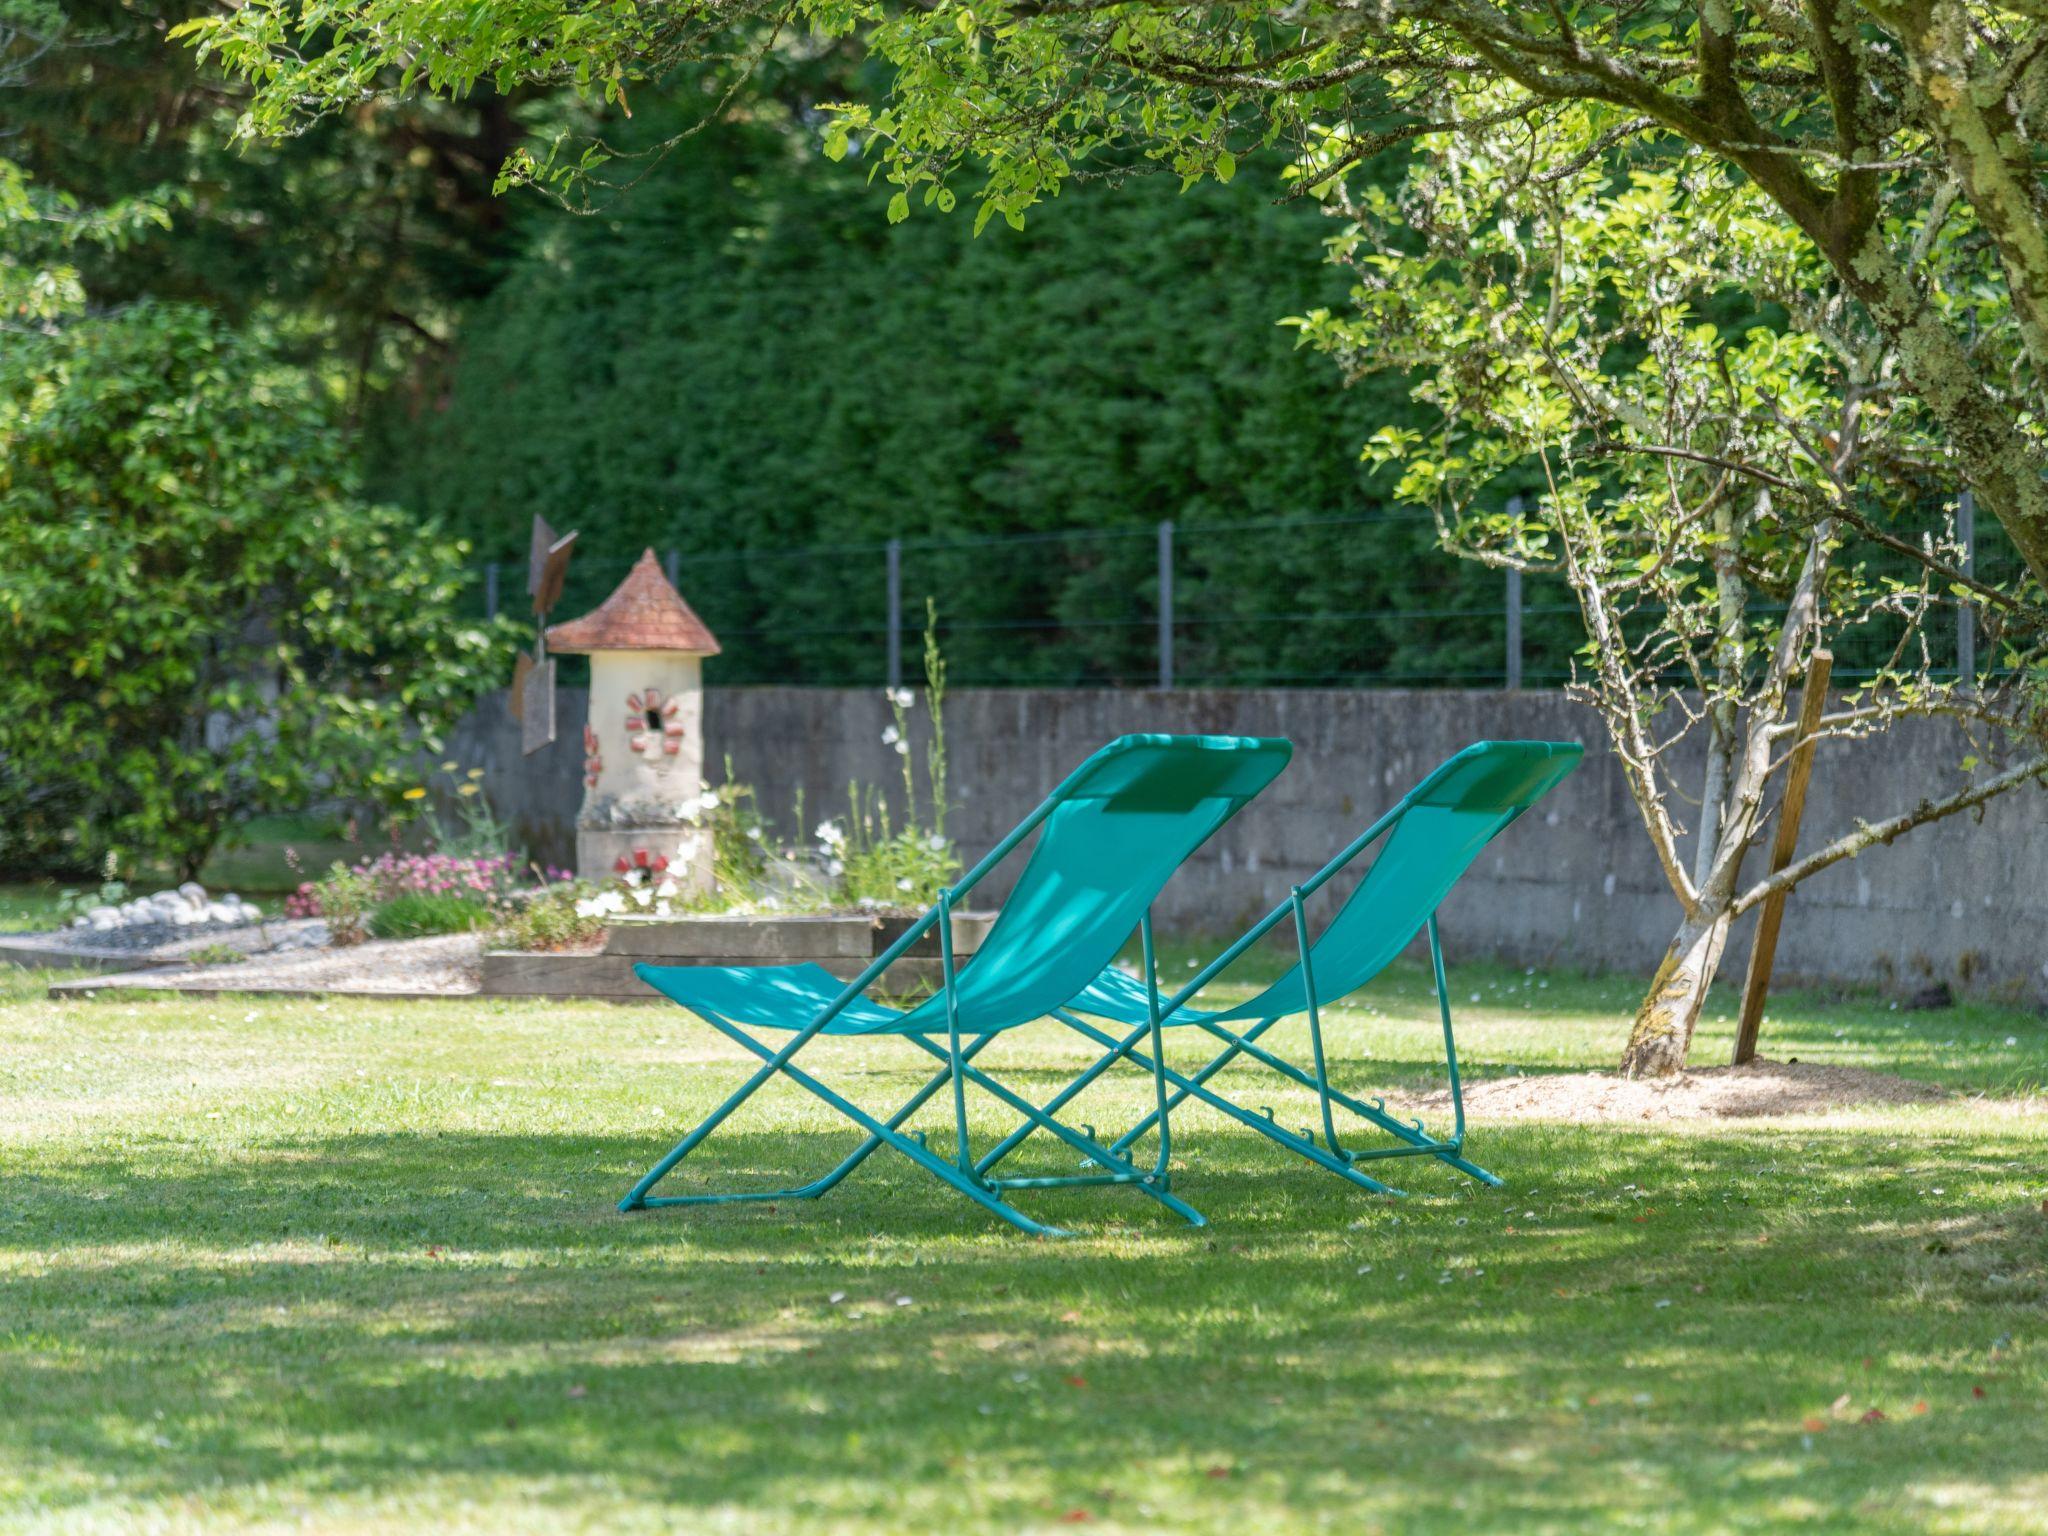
(554, 569)
(537, 549)
(537, 715)
(515, 696)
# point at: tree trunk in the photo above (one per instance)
(1662, 1035)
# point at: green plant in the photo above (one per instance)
(739, 839)
(553, 918)
(204, 623)
(72, 902)
(216, 954)
(477, 831)
(346, 897)
(873, 863)
(418, 914)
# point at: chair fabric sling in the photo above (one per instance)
(1108, 838)
(1432, 837)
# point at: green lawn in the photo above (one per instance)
(350, 1266)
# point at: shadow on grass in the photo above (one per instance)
(309, 1318)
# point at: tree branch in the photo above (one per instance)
(1870, 833)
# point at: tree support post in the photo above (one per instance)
(1763, 953)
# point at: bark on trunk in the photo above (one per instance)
(1662, 1035)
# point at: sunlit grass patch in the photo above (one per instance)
(355, 1265)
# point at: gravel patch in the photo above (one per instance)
(450, 965)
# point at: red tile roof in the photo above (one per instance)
(645, 614)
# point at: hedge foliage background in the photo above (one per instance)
(739, 359)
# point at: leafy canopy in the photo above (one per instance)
(1850, 116)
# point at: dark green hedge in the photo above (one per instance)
(740, 359)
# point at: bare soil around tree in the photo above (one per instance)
(1759, 1088)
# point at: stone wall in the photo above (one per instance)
(1965, 901)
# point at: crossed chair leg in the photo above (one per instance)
(969, 1176)
(1412, 1139)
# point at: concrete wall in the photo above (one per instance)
(1574, 883)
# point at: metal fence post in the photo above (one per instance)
(1966, 616)
(1166, 603)
(1514, 609)
(491, 590)
(895, 549)
(672, 567)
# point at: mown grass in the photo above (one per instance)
(352, 1266)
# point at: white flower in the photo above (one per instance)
(642, 898)
(835, 867)
(635, 876)
(667, 888)
(754, 833)
(590, 906)
(662, 909)
(708, 801)
(830, 835)
(903, 749)
(890, 735)
(903, 884)
(902, 698)
(936, 843)
(611, 901)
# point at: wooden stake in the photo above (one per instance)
(1763, 954)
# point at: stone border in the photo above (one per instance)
(61, 957)
(43, 951)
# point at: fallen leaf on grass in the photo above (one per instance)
(1874, 1416)
(1813, 1424)
(1921, 1406)
(1077, 1381)
(1219, 1471)
(1977, 1391)
(1076, 1517)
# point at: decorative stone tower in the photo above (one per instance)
(643, 745)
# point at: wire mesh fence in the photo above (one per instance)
(1338, 601)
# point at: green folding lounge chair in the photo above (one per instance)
(1109, 838)
(1433, 835)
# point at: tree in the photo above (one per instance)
(202, 621)
(354, 242)
(43, 230)
(1852, 117)
(1727, 483)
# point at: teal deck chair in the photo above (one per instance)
(1109, 837)
(1433, 835)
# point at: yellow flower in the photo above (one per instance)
(450, 767)
(468, 789)
(415, 793)
(476, 773)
